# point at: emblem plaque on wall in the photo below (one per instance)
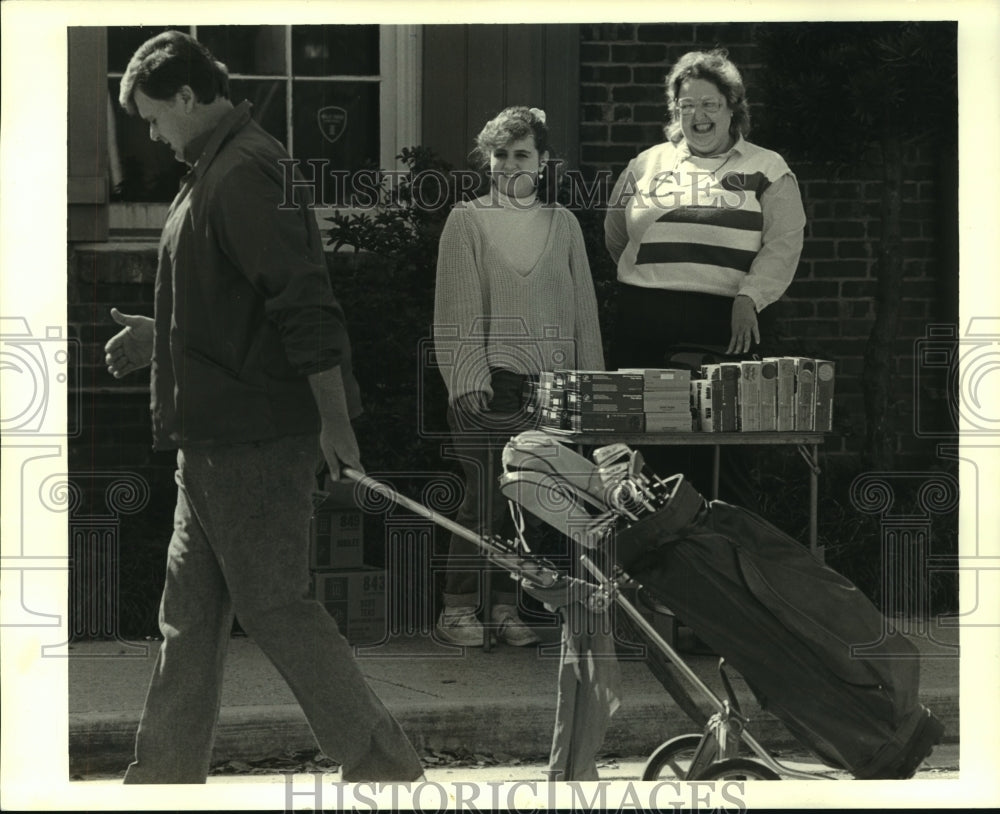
(332, 122)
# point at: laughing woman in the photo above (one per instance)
(514, 297)
(706, 230)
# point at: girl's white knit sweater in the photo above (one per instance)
(489, 314)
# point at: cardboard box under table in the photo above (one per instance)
(356, 599)
(336, 530)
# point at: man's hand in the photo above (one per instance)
(340, 449)
(336, 438)
(744, 326)
(129, 349)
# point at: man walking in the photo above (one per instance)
(250, 378)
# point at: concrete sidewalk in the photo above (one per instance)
(500, 702)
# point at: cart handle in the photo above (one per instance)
(503, 554)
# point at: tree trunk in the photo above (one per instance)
(876, 382)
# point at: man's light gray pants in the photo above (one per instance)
(240, 546)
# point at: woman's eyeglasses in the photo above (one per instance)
(687, 107)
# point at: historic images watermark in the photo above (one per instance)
(313, 183)
(960, 369)
(35, 366)
(40, 411)
(522, 795)
(38, 377)
(956, 393)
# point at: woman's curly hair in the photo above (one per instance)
(715, 67)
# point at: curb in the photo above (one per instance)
(103, 743)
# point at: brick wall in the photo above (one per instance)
(830, 304)
(828, 310)
(622, 68)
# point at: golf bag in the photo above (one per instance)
(813, 649)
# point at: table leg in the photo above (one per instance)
(716, 461)
(487, 581)
(814, 505)
(812, 461)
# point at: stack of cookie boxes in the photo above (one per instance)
(353, 593)
(776, 394)
(621, 401)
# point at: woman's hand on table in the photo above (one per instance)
(745, 332)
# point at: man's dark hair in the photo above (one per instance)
(167, 62)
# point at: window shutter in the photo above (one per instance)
(472, 72)
(87, 135)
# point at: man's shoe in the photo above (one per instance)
(510, 628)
(460, 626)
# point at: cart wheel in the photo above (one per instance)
(738, 768)
(672, 760)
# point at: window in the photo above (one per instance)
(347, 94)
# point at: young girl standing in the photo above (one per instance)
(514, 297)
